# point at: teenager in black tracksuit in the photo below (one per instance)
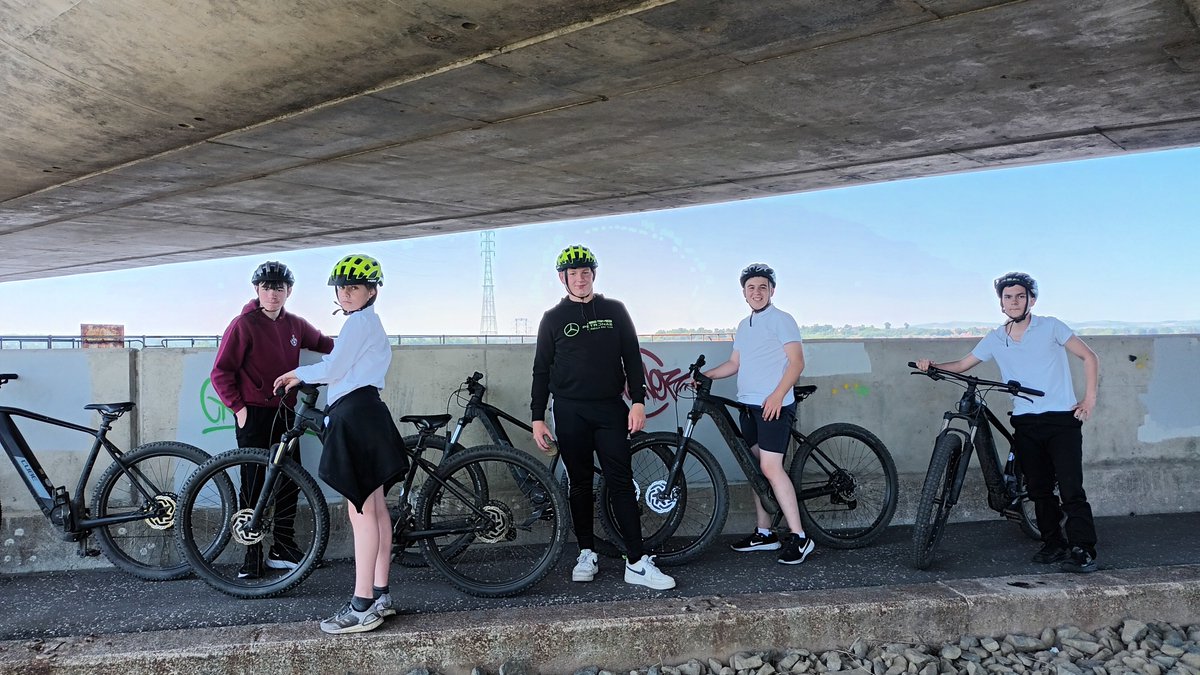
(587, 356)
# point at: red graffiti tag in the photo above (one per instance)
(662, 386)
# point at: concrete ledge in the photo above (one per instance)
(623, 635)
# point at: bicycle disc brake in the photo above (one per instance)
(165, 520)
(844, 487)
(240, 534)
(500, 524)
(657, 498)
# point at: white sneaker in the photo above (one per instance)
(585, 566)
(645, 573)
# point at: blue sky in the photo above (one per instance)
(1108, 239)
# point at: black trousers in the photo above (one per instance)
(598, 428)
(1049, 447)
(263, 428)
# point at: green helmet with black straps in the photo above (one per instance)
(356, 269)
(575, 256)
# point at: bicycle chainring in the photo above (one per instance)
(240, 535)
(657, 498)
(500, 526)
(166, 504)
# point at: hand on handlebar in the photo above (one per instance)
(285, 383)
(923, 365)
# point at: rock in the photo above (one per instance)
(1172, 651)
(515, 667)
(968, 641)
(916, 657)
(746, 661)
(692, 667)
(930, 669)
(859, 648)
(989, 644)
(1084, 646)
(951, 652)
(478, 671)
(788, 661)
(766, 669)
(1024, 644)
(715, 665)
(590, 670)
(1191, 660)
(832, 660)
(420, 671)
(1133, 630)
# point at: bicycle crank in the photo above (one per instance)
(657, 498)
(242, 536)
(165, 505)
(500, 524)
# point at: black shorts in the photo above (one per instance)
(770, 436)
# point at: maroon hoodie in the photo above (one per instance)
(255, 350)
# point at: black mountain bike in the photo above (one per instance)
(1006, 493)
(470, 395)
(478, 528)
(845, 481)
(133, 508)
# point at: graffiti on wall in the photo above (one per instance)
(662, 383)
(219, 417)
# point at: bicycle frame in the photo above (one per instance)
(489, 415)
(54, 501)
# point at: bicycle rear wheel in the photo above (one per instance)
(499, 540)
(151, 484)
(679, 526)
(407, 552)
(213, 541)
(934, 506)
(852, 481)
(1026, 512)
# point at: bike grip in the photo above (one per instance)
(476, 376)
(281, 391)
(912, 364)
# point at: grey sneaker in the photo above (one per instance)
(585, 566)
(645, 573)
(383, 606)
(347, 620)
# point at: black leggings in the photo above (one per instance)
(601, 428)
(1050, 449)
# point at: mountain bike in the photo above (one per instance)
(845, 481)
(470, 394)
(134, 504)
(1006, 492)
(473, 525)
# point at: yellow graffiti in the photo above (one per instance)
(856, 388)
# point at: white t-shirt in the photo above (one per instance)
(361, 356)
(761, 360)
(1038, 361)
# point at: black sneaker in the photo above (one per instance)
(1051, 553)
(795, 549)
(252, 565)
(756, 542)
(1079, 561)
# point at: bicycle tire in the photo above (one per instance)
(145, 548)
(525, 533)
(406, 552)
(207, 526)
(932, 509)
(862, 472)
(676, 528)
(1028, 513)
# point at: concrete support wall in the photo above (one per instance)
(1142, 448)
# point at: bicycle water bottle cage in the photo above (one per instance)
(427, 424)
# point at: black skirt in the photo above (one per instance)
(363, 449)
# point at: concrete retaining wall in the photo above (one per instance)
(1142, 449)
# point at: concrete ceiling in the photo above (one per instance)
(152, 131)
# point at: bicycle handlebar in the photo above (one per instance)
(5, 377)
(1012, 386)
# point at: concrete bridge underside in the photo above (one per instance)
(142, 132)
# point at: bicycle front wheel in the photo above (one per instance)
(496, 541)
(677, 525)
(150, 483)
(214, 539)
(846, 485)
(933, 509)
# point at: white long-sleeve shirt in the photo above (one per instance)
(361, 356)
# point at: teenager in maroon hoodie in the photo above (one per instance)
(261, 344)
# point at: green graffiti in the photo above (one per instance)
(214, 411)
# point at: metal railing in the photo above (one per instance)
(212, 341)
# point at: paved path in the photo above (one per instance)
(107, 601)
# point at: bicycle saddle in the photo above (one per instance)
(110, 408)
(804, 392)
(427, 423)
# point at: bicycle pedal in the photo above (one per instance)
(88, 553)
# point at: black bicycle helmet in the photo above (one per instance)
(575, 256)
(758, 270)
(1016, 279)
(272, 272)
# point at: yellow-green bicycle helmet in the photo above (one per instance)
(356, 269)
(575, 256)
